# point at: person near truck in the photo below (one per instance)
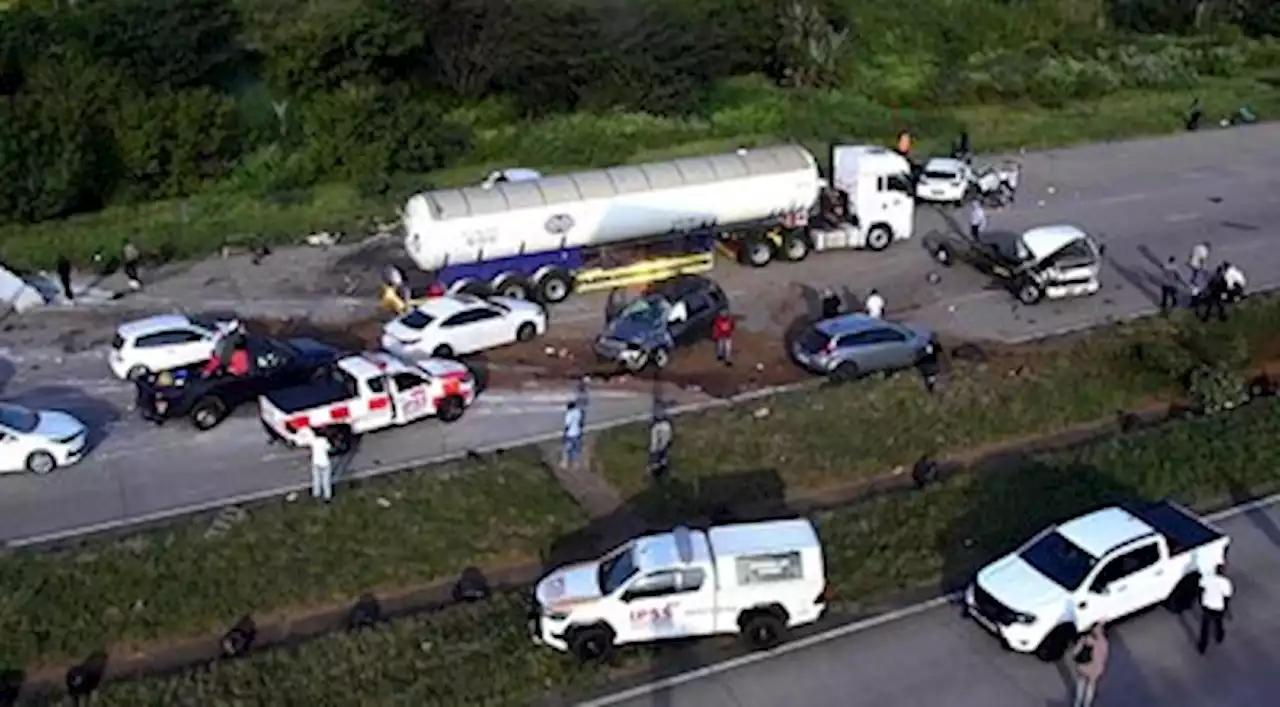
(830, 304)
(64, 278)
(904, 143)
(874, 304)
(722, 333)
(1170, 285)
(321, 465)
(977, 220)
(1212, 297)
(661, 434)
(1090, 659)
(1198, 262)
(132, 259)
(1215, 592)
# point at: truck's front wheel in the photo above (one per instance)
(763, 630)
(450, 409)
(879, 237)
(591, 644)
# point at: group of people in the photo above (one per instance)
(1090, 653)
(1210, 290)
(831, 306)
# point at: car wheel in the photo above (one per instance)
(1055, 645)
(879, 238)
(526, 332)
(41, 463)
(1029, 293)
(450, 409)
(442, 351)
(637, 364)
(591, 644)
(846, 372)
(762, 630)
(207, 413)
(661, 358)
(137, 373)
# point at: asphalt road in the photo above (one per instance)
(938, 659)
(1147, 199)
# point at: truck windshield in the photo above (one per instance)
(615, 571)
(1060, 560)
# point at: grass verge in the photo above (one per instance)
(184, 581)
(747, 114)
(480, 654)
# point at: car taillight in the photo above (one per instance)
(297, 423)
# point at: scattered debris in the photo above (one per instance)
(760, 413)
(226, 519)
(291, 497)
(383, 503)
(323, 239)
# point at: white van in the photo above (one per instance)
(757, 580)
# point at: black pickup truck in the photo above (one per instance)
(208, 400)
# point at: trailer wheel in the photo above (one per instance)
(879, 237)
(756, 251)
(554, 286)
(796, 246)
(510, 284)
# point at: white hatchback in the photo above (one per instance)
(160, 343)
(39, 441)
(944, 181)
(455, 325)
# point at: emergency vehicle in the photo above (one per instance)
(368, 392)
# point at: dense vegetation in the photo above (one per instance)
(124, 101)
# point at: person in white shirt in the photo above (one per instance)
(321, 465)
(1198, 261)
(573, 420)
(875, 305)
(1215, 593)
(977, 220)
(1234, 280)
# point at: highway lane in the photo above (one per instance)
(1162, 194)
(938, 659)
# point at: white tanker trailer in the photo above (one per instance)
(624, 225)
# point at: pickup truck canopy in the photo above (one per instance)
(1182, 530)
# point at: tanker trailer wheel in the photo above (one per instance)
(756, 251)
(554, 286)
(796, 246)
(510, 284)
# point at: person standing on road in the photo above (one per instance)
(977, 220)
(321, 465)
(1198, 261)
(830, 304)
(1170, 285)
(1234, 282)
(1215, 591)
(722, 333)
(1090, 658)
(573, 419)
(132, 259)
(874, 304)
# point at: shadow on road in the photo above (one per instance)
(1240, 494)
(7, 373)
(1142, 280)
(97, 415)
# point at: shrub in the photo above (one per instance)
(53, 158)
(1215, 388)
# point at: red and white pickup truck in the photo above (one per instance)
(367, 392)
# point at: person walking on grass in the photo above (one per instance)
(1215, 594)
(722, 333)
(977, 220)
(1090, 659)
(1170, 286)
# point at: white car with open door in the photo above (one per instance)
(39, 441)
(161, 343)
(944, 180)
(456, 325)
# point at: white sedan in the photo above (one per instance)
(455, 325)
(160, 343)
(39, 441)
(944, 181)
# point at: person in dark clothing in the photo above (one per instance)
(830, 304)
(132, 259)
(1213, 297)
(1194, 115)
(1170, 285)
(64, 278)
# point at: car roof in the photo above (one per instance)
(158, 323)
(681, 285)
(944, 164)
(1043, 241)
(448, 305)
(1100, 532)
(852, 323)
(655, 552)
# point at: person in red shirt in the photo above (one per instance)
(237, 365)
(722, 334)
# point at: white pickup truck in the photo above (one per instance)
(1102, 566)
(753, 579)
(368, 392)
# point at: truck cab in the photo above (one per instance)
(368, 392)
(753, 579)
(1100, 567)
(875, 201)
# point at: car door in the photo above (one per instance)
(871, 350)
(697, 324)
(413, 396)
(666, 604)
(1127, 583)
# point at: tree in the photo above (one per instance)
(810, 47)
(469, 42)
(177, 44)
(53, 157)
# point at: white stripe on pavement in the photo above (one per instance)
(846, 630)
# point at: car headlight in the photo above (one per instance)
(1025, 619)
(555, 615)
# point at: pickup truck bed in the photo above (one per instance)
(1182, 530)
(305, 397)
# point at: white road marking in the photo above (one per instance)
(846, 630)
(1122, 199)
(1178, 218)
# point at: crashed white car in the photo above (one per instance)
(944, 180)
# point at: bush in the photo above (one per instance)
(53, 158)
(1215, 388)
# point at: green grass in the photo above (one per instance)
(748, 112)
(421, 529)
(480, 655)
(836, 437)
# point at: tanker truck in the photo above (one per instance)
(545, 238)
